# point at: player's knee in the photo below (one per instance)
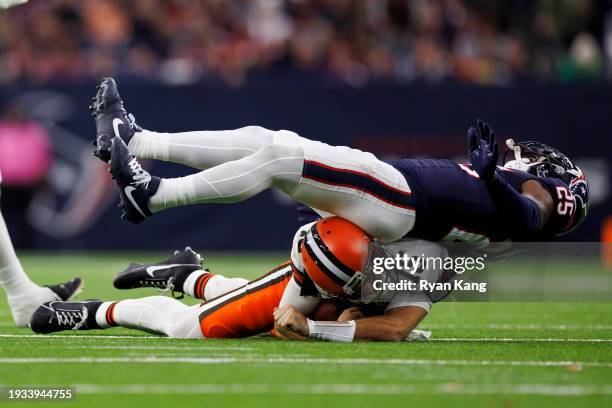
(181, 329)
(273, 152)
(261, 133)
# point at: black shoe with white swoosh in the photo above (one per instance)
(67, 290)
(136, 185)
(57, 316)
(112, 120)
(168, 275)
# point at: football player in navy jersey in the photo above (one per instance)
(537, 195)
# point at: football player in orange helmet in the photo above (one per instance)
(326, 262)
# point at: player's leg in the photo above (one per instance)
(202, 149)
(346, 182)
(277, 166)
(23, 295)
(352, 184)
(242, 312)
(182, 273)
(248, 310)
(154, 314)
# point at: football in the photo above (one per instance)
(329, 310)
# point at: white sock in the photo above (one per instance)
(101, 315)
(154, 314)
(150, 145)
(219, 285)
(12, 276)
(189, 286)
(173, 193)
(277, 166)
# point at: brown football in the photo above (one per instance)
(328, 310)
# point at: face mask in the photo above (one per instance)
(519, 163)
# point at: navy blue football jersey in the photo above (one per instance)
(453, 204)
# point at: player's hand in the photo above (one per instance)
(483, 150)
(352, 313)
(290, 319)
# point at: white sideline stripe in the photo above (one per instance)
(382, 389)
(523, 340)
(293, 360)
(521, 326)
(449, 339)
(80, 337)
(203, 348)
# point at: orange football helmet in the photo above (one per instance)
(333, 252)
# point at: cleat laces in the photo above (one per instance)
(75, 319)
(139, 175)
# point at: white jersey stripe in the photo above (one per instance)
(321, 256)
(248, 286)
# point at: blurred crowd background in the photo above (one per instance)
(398, 78)
(485, 42)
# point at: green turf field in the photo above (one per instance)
(482, 354)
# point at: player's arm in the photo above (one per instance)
(526, 212)
(395, 325)
(293, 298)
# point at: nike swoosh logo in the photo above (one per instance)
(128, 192)
(151, 269)
(116, 123)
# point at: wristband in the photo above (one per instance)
(332, 331)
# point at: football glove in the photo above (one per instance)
(483, 150)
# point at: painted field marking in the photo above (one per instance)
(448, 339)
(522, 340)
(290, 360)
(203, 348)
(382, 389)
(81, 337)
(520, 326)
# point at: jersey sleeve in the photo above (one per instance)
(292, 296)
(411, 298)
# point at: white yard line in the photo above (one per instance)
(520, 326)
(300, 360)
(522, 340)
(446, 339)
(198, 348)
(382, 389)
(81, 337)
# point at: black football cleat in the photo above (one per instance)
(57, 316)
(135, 184)
(168, 275)
(68, 290)
(112, 120)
